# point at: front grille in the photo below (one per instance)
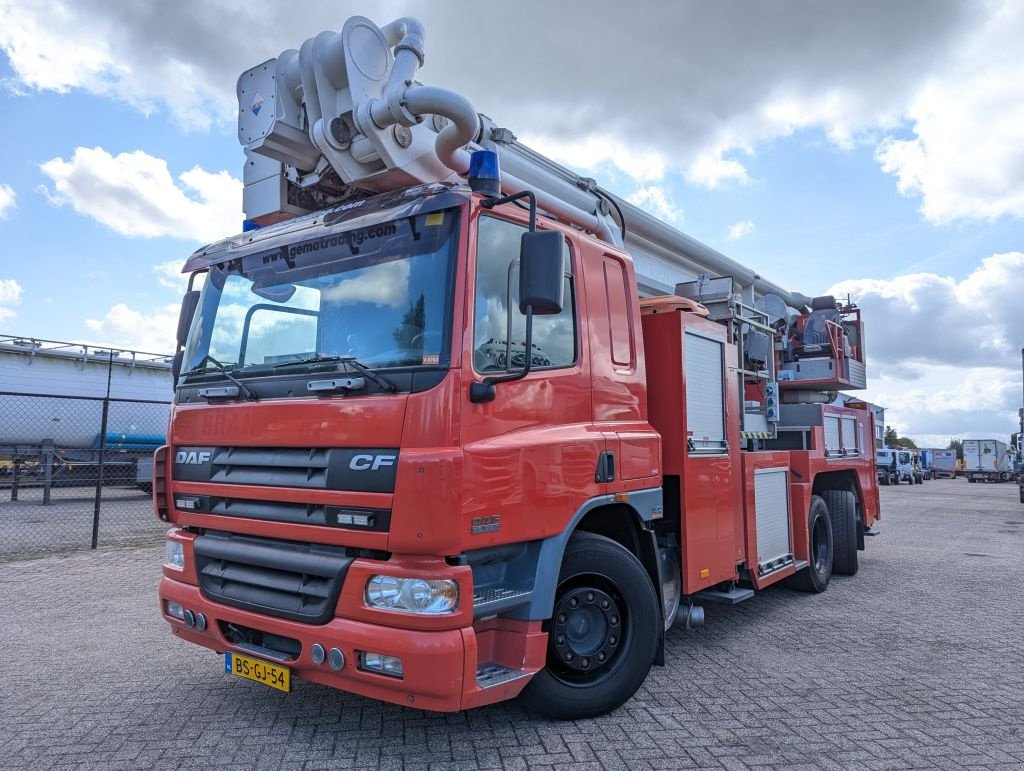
(370, 470)
(280, 467)
(297, 581)
(350, 517)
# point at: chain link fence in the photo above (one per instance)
(75, 471)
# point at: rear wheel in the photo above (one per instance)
(842, 511)
(815, 577)
(603, 635)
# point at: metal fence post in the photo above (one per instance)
(103, 448)
(47, 456)
(15, 475)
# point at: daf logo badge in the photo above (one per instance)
(196, 458)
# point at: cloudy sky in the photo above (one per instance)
(870, 148)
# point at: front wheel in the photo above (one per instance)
(603, 635)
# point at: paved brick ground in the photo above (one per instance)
(916, 662)
(30, 529)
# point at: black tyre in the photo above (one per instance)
(842, 511)
(1022, 494)
(603, 634)
(972, 480)
(815, 577)
(884, 480)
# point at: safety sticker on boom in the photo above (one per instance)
(257, 103)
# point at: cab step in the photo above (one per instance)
(730, 597)
(492, 599)
(491, 675)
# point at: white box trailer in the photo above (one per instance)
(987, 460)
(944, 463)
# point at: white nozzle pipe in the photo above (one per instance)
(463, 128)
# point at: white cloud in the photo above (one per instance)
(10, 291)
(966, 158)
(7, 198)
(943, 354)
(712, 170)
(949, 401)
(59, 47)
(590, 152)
(10, 295)
(135, 195)
(728, 77)
(169, 275)
(123, 327)
(657, 201)
(740, 229)
(927, 318)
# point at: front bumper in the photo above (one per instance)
(439, 667)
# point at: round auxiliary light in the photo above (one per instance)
(484, 174)
(336, 659)
(317, 653)
(201, 622)
(190, 619)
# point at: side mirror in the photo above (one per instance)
(541, 272)
(189, 303)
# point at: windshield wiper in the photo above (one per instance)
(385, 385)
(243, 389)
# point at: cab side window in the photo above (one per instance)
(499, 329)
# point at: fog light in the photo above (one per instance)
(380, 664)
(317, 654)
(201, 622)
(190, 619)
(336, 659)
(175, 555)
(413, 595)
(175, 610)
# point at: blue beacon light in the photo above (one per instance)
(484, 175)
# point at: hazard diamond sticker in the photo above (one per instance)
(257, 103)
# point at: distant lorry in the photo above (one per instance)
(943, 464)
(927, 460)
(895, 466)
(987, 460)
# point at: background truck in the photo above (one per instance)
(987, 460)
(454, 424)
(926, 459)
(895, 466)
(944, 464)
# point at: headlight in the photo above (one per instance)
(175, 555)
(412, 595)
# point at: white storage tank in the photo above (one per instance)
(35, 374)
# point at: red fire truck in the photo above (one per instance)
(453, 424)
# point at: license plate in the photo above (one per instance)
(258, 671)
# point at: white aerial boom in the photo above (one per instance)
(344, 117)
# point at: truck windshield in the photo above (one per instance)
(381, 294)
